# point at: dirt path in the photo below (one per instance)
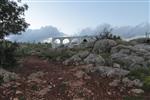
(44, 80)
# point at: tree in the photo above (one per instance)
(12, 19)
(106, 33)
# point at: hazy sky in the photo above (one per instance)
(70, 16)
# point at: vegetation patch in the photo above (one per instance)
(21, 97)
(146, 85)
(7, 53)
(133, 98)
(144, 75)
(34, 87)
(1, 79)
(107, 57)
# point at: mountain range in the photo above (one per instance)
(45, 33)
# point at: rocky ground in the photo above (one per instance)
(43, 80)
(97, 74)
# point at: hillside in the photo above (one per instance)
(103, 70)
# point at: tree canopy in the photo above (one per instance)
(12, 19)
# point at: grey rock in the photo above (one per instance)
(73, 60)
(111, 72)
(83, 54)
(137, 83)
(128, 50)
(115, 65)
(127, 60)
(8, 76)
(117, 48)
(143, 46)
(129, 83)
(94, 59)
(114, 83)
(88, 68)
(104, 45)
(137, 91)
(36, 75)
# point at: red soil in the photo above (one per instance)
(64, 83)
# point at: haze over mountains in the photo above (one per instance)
(44, 33)
(123, 31)
(36, 35)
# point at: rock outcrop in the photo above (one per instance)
(104, 45)
(84, 57)
(94, 59)
(8, 76)
(111, 72)
(131, 57)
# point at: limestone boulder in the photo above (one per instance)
(73, 60)
(83, 54)
(129, 57)
(130, 83)
(94, 59)
(137, 91)
(111, 72)
(104, 45)
(8, 76)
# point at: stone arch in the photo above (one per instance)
(57, 41)
(74, 40)
(85, 40)
(66, 41)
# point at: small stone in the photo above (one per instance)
(87, 77)
(137, 83)
(18, 92)
(109, 93)
(78, 99)
(137, 91)
(79, 74)
(6, 85)
(127, 82)
(115, 65)
(122, 89)
(49, 86)
(45, 81)
(60, 78)
(15, 99)
(18, 84)
(44, 91)
(114, 83)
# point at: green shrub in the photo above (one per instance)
(139, 73)
(146, 85)
(107, 57)
(7, 53)
(133, 98)
(27, 49)
(144, 75)
(53, 54)
(34, 87)
(1, 80)
(21, 97)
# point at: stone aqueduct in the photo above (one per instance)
(79, 39)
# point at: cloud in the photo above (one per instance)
(123, 31)
(36, 35)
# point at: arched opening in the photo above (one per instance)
(85, 40)
(66, 41)
(57, 41)
(75, 41)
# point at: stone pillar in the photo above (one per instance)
(53, 44)
(61, 41)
